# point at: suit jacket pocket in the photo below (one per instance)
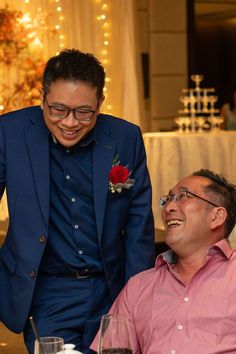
(125, 193)
(7, 258)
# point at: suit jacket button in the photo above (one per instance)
(42, 239)
(32, 274)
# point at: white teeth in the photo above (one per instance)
(68, 133)
(174, 222)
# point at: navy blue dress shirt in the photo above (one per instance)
(72, 242)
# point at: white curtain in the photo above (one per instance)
(125, 93)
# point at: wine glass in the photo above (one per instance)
(193, 101)
(200, 123)
(49, 345)
(215, 123)
(212, 99)
(114, 335)
(180, 122)
(187, 122)
(205, 101)
(185, 100)
(197, 79)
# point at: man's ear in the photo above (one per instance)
(41, 98)
(100, 102)
(218, 217)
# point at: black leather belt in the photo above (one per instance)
(75, 275)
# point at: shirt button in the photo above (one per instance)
(73, 199)
(172, 351)
(80, 252)
(180, 327)
(76, 226)
(67, 151)
(32, 274)
(186, 299)
(42, 239)
(67, 176)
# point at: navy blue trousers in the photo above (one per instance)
(68, 308)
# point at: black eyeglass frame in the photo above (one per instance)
(168, 198)
(68, 110)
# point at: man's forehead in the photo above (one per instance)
(191, 183)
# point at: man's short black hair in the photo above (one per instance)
(73, 65)
(225, 194)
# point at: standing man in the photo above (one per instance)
(79, 198)
(186, 304)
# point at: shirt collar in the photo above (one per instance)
(165, 257)
(90, 137)
(222, 246)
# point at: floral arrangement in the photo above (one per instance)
(13, 35)
(26, 91)
(21, 54)
(119, 177)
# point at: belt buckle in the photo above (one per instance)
(81, 276)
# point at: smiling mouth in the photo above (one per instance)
(66, 132)
(172, 223)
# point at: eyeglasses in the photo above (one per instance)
(61, 112)
(181, 196)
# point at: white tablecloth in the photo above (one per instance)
(172, 156)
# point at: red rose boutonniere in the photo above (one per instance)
(119, 177)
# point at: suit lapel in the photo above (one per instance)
(103, 154)
(38, 148)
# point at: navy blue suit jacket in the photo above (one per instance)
(124, 220)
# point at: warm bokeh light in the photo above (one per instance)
(57, 11)
(49, 22)
(103, 8)
(22, 51)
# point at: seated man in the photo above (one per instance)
(187, 303)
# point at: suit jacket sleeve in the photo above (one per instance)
(2, 163)
(139, 230)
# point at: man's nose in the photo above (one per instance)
(70, 120)
(168, 209)
(171, 205)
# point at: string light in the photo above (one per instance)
(58, 27)
(104, 35)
